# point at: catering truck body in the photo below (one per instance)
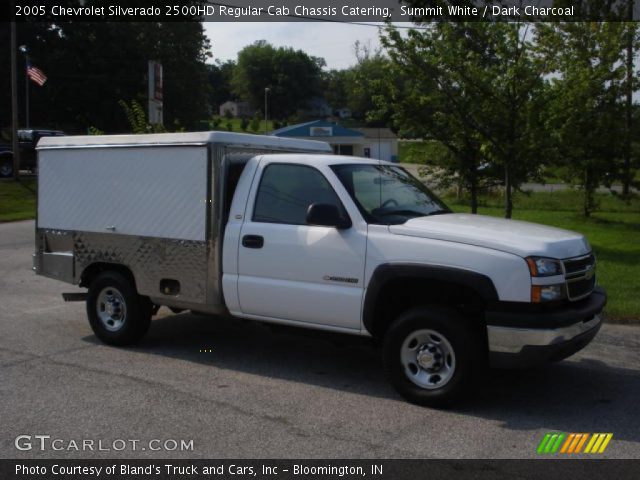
(281, 231)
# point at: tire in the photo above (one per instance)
(6, 166)
(117, 314)
(449, 351)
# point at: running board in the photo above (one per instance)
(74, 297)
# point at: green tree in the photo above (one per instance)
(91, 66)
(137, 118)
(334, 88)
(292, 76)
(586, 113)
(476, 88)
(364, 81)
(219, 76)
(423, 109)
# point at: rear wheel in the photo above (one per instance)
(117, 314)
(432, 355)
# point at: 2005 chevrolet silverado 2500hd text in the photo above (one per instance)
(280, 230)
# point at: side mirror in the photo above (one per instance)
(325, 215)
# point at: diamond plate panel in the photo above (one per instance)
(149, 259)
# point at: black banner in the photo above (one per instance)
(351, 11)
(584, 469)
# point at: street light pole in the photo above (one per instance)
(266, 91)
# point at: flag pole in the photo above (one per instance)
(26, 85)
(14, 102)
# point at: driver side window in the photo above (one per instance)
(286, 191)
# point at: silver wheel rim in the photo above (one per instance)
(428, 359)
(6, 169)
(111, 309)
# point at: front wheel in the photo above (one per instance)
(117, 314)
(432, 355)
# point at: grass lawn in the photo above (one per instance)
(236, 126)
(614, 234)
(17, 200)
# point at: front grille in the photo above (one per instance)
(580, 288)
(580, 275)
(578, 265)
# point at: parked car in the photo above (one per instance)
(27, 140)
(230, 224)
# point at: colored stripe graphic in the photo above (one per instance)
(565, 447)
(591, 442)
(572, 443)
(543, 443)
(598, 443)
(556, 445)
(582, 442)
(550, 443)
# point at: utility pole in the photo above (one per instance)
(14, 102)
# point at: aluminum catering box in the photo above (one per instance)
(156, 204)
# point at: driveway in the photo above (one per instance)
(244, 390)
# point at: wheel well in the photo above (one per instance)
(92, 271)
(400, 294)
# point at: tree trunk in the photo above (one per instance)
(508, 198)
(626, 171)
(587, 204)
(588, 199)
(473, 187)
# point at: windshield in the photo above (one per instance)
(386, 194)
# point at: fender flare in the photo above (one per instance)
(385, 272)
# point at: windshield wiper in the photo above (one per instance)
(403, 212)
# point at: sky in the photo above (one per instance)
(332, 41)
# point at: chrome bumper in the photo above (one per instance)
(514, 340)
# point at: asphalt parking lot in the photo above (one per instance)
(259, 393)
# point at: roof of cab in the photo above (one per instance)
(189, 138)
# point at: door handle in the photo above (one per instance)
(252, 241)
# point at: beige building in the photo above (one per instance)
(380, 143)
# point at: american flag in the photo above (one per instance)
(36, 74)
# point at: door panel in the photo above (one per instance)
(303, 273)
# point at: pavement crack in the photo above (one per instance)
(279, 420)
(35, 356)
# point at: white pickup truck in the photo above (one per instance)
(281, 231)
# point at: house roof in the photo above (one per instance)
(304, 130)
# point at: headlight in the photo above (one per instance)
(544, 267)
(547, 293)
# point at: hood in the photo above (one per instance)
(513, 236)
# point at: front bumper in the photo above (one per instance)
(523, 338)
